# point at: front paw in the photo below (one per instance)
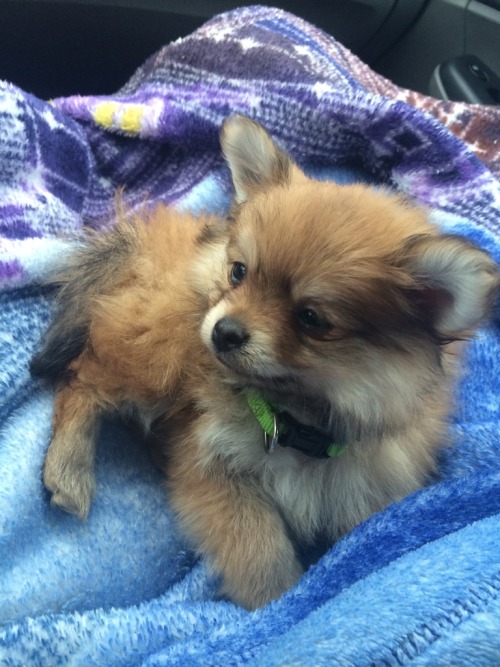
(70, 479)
(274, 570)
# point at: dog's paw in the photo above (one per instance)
(266, 579)
(71, 480)
(70, 493)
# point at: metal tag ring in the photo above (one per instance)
(270, 441)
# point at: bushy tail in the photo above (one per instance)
(92, 269)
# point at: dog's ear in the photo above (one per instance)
(255, 161)
(455, 282)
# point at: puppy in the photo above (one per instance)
(293, 364)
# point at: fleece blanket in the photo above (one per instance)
(416, 584)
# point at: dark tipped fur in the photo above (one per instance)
(93, 269)
(211, 233)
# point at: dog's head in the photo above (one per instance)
(336, 296)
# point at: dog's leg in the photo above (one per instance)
(69, 464)
(241, 532)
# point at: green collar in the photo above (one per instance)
(281, 428)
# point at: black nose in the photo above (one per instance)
(228, 334)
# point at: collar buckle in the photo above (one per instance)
(306, 439)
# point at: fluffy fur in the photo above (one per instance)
(339, 304)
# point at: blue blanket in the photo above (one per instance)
(416, 584)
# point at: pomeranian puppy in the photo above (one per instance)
(293, 364)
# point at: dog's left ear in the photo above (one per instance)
(255, 161)
(455, 282)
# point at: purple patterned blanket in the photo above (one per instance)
(416, 584)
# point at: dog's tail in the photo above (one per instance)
(91, 270)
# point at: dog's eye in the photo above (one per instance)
(238, 273)
(312, 323)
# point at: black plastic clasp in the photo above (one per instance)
(306, 439)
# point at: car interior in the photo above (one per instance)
(447, 48)
(417, 581)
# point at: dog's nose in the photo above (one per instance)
(229, 334)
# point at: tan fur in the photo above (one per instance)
(374, 366)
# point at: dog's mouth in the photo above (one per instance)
(246, 374)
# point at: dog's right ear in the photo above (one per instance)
(255, 161)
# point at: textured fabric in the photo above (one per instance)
(415, 584)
